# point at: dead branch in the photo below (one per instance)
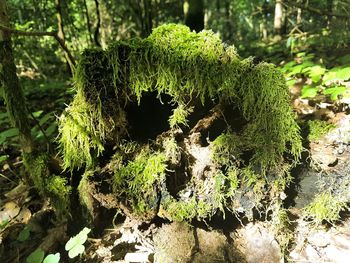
(315, 10)
(41, 34)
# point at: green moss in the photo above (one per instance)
(37, 165)
(271, 129)
(49, 186)
(226, 148)
(282, 227)
(59, 191)
(208, 198)
(84, 192)
(171, 150)
(325, 207)
(318, 128)
(179, 116)
(137, 181)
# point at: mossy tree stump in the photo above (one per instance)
(180, 126)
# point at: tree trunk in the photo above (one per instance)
(88, 23)
(278, 20)
(61, 35)
(13, 94)
(329, 10)
(147, 18)
(299, 18)
(98, 24)
(194, 14)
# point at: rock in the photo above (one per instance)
(319, 239)
(174, 243)
(323, 155)
(179, 242)
(137, 257)
(337, 255)
(257, 243)
(322, 245)
(308, 188)
(214, 247)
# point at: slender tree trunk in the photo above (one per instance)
(194, 14)
(98, 24)
(229, 30)
(13, 94)
(147, 18)
(278, 19)
(329, 10)
(299, 16)
(88, 23)
(61, 35)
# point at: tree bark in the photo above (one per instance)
(88, 23)
(278, 19)
(147, 18)
(61, 36)
(13, 94)
(194, 14)
(98, 24)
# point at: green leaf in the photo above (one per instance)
(291, 82)
(37, 114)
(3, 158)
(295, 70)
(75, 244)
(24, 234)
(287, 66)
(46, 118)
(36, 257)
(343, 74)
(4, 223)
(335, 92)
(52, 258)
(329, 76)
(4, 116)
(290, 41)
(345, 59)
(12, 132)
(308, 92)
(76, 250)
(51, 129)
(314, 72)
(299, 68)
(301, 54)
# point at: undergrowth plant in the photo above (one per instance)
(323, 80)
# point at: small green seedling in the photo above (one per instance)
(52, 258)
(38, 257)
(75, 246)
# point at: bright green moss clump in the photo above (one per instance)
(325, 207)
(318, 128)
(52, 186)
(136, 183)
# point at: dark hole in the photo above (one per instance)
(150, 118)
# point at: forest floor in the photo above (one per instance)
(27, 222)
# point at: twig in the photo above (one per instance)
(41, 34)
(315, 10)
